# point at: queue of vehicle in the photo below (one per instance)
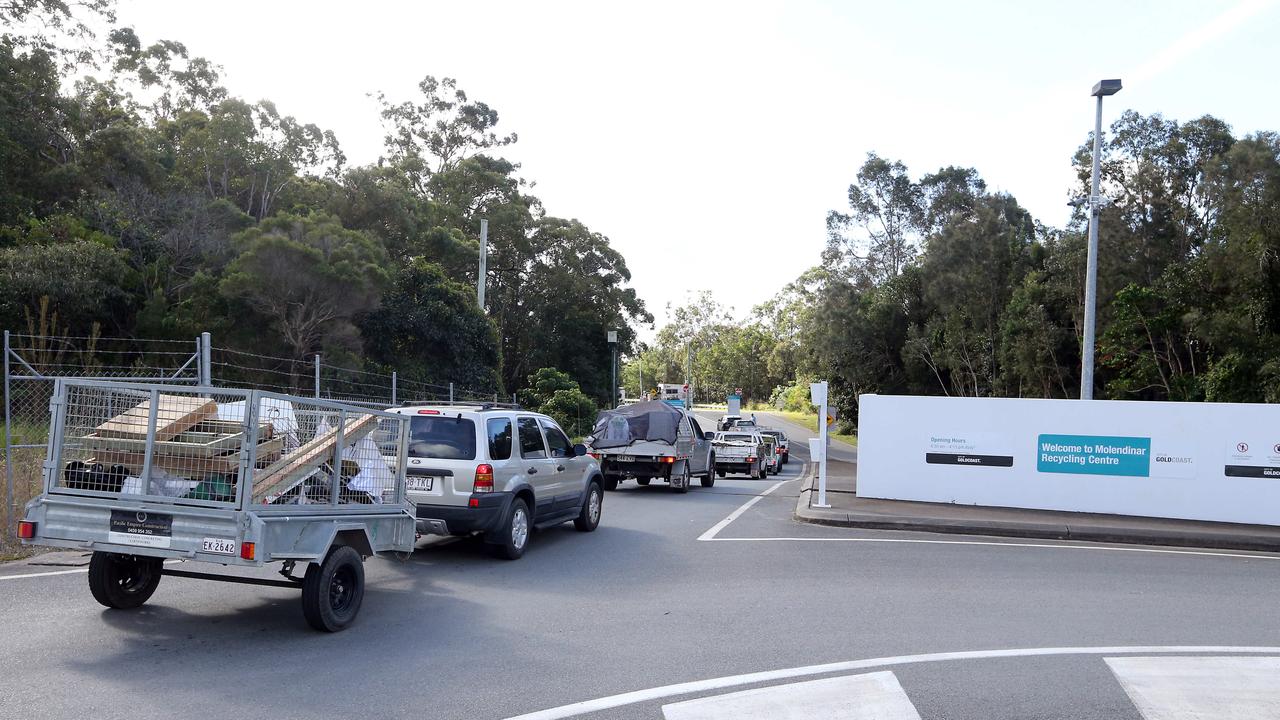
(246, 478)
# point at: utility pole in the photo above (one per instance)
(688, 372)
(613, 375)
(482, 275)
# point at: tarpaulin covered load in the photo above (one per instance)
(653, 420)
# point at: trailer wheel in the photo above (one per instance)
(720, 473)
(123, 582)
(642, 481)
(333, 590)
(610, 483)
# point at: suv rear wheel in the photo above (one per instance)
(589, 518)
(514, 535)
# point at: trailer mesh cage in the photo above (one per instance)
(221, 447)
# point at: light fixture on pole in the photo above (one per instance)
(613, 376)
(1101, 90)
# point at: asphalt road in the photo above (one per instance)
(667, 592)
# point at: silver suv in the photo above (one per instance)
(499, 472)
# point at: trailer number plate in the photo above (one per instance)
(626, 458)
(421, 483)
(220, 546)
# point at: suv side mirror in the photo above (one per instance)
(579, 450)
(709, 435)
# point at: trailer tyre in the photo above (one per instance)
(123, 582)
(611, 484)
(642, 481)
(333, 590)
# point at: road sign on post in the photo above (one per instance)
(818, 395)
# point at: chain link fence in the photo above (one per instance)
(33, 364)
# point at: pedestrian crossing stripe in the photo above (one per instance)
(1192, 688)
(872, 696)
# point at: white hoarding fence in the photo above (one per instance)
(1200, 461)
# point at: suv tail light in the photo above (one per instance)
(26, 529)
(751, 458)
(484, 479)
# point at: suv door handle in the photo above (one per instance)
(533, 471)
(560, 468)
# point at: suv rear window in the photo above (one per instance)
(442, 437)
(531, 446)
(499, 438)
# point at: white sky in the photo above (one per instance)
(709, 140)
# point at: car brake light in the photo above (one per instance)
(751, 458)
(247, 550)
(484, 479)
(668, 459)
(26, 529)
(428, 412)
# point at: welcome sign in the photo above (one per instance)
(1202, 461)
(1094, 455)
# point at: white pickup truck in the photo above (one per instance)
(652, 440)
(740, 452)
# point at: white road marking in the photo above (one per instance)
(996, 543)
(73, 571)
(1192, 688)
(711, 534)
(702, 686)
(44, 574)
(872, 696)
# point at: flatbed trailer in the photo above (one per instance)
(145, 475)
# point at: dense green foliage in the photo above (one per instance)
(144, 200)
(557, 394)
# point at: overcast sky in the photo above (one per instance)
(709, 140)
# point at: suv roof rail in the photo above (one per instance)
(483, 405)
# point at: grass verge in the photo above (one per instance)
(26, 485)
(810, 420)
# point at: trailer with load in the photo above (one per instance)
(147, 475)
(652, 441)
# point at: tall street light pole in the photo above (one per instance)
(613, 374)
(1101, 90)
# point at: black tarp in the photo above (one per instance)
(653, 420)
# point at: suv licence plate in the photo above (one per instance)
(422, 483)
(626, 458)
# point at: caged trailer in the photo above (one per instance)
(147, 475)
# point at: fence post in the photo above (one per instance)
(206, 357)
(450, 385)
(8, 444)
(317, 376)
(393, 387)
